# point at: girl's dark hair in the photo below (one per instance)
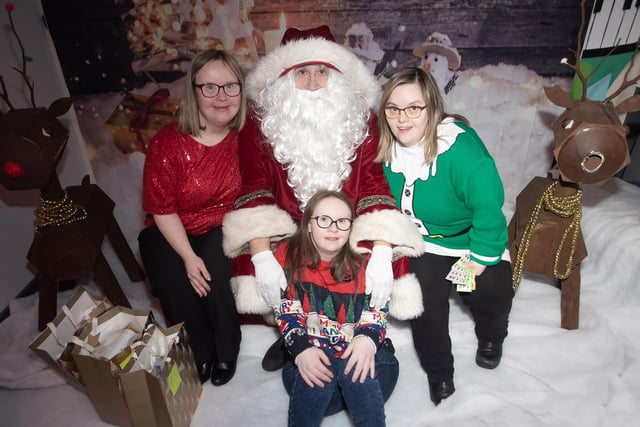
(302, 254)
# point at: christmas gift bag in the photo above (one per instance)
(138, 118)
(99, 351)
(160, 380)
(52, 344)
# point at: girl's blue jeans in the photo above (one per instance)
(364, 401)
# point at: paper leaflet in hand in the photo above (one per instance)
(462, 275)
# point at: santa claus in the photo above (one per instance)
(311, 126)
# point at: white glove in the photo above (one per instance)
(379, 276)
(269, 277)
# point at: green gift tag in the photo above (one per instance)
(174, 379)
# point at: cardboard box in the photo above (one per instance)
(143, 114)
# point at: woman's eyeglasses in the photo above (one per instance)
(325, 221)
(211, 90)
(412, 112)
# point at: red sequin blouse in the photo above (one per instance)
(198, 182)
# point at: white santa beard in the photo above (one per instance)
(314, 134)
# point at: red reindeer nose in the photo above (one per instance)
(13, 169)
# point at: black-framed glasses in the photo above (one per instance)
(211, 90)
(325, 221)
(412, 111)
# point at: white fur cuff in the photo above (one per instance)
(248, 300)
(406, 298)
(242, 225)
(391, 226)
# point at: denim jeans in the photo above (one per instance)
(365, 402)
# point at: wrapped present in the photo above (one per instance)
(137, 118)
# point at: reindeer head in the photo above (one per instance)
(590, 140)
(32, 141)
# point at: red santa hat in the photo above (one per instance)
(312, 46)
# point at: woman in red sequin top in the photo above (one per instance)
(191, 179)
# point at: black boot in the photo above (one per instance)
(439, 390)
(275, 356)
(488, 354)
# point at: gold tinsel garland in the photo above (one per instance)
(564, 207)
(58, 212)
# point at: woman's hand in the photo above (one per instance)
(172, 229)
(478, 269)
(312, 365)
(362, 358)
(198, 275)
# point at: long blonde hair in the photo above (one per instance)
(435, 112)
(188, 114)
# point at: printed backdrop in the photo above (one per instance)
(114, 45)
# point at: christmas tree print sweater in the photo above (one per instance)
(318, 311)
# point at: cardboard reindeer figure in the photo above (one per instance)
(71, 223)
(590, 147)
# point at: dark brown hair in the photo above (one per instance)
(302, 254)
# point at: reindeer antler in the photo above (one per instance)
(584, 79)
(4, 95)
(626, 83)
(576, 53)
(23, 72)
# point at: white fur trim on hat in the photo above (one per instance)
(245, 293)
(406, 298)
(391, 226)
(242, 225)
(295, 52)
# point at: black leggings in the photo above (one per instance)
(212, 322)
(489, 304)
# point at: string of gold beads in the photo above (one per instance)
(54, 213)
(564, 207)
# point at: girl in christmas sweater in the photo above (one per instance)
(340, 356)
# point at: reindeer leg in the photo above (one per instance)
(123, 251)
(47, 300)
(570, 300)
(108, 283)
